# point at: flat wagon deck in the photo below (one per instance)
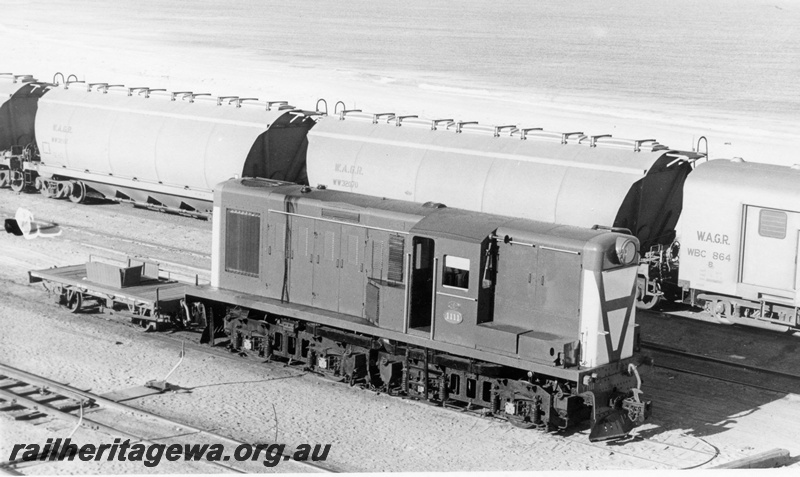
(150, 300)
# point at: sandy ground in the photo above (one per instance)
(696, 424)
(119, 57)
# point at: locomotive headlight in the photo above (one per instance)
(626, 250)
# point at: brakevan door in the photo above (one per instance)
(352, 277)
(301, 272)
(769, 257)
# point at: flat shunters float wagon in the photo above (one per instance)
(136, 289)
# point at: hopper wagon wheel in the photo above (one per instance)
(17, 181)
(74, 300)
(78, 193)
(47, 188)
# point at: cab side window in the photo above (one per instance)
(456, 272)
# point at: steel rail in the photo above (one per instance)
(33, 379)
(14, 398)
(710, 359)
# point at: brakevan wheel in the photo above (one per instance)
(74, 300)
(78, 192)
(723, 310)
(648, 302)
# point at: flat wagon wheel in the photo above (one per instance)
(74, 300)
(58, 294)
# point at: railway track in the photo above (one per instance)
(33, 397)
(684, 361)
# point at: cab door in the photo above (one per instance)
(456, 301)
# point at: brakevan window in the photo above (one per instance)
(242, 242)
(456, 272)
(772, 223)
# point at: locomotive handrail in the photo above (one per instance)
(406, 292)
(455, 296)
(508, 239)
(593, 139)
(377, 116)
(459, 124)
(612, 229)
(435, 122)
(565, 136)
(72, 81)
(523, 133)
(350, 224)
(58, 73)
(399, 119)
(433, 306)
(497, 129)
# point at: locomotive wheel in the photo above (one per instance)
(78, 193)
(74, 300)
(522, 422)
(3, 179)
